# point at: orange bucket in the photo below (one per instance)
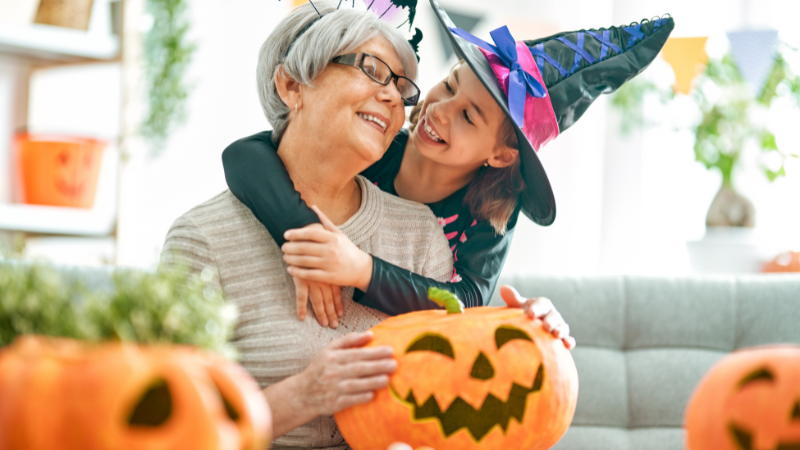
(58, 170)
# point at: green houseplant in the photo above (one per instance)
(166, 306)
(167, 55)
(728, 109)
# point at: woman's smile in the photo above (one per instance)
(374, 120)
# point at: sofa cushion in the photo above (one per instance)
(689, 313)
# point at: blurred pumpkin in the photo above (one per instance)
(73, 395)
(489, 378)
(785, 262)
(404, 446)
(58, 170)
(750, 400)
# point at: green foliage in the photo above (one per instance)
(36, 299)
(168, 306)
(446, 299)
(728, 109)
(167, 57)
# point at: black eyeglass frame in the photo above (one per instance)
(357, 60)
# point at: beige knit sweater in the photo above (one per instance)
(223, 234)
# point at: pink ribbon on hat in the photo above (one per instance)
(530, 99)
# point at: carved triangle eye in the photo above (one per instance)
(432, 343)
(796, 411)
(154, 408)
(762, 374)
(506, 333)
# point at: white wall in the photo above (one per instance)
(223, 106)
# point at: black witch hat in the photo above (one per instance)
(545, 85)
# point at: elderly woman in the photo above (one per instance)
(334, 119)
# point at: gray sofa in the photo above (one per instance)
(645, 343)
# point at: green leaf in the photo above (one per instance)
(167, 55)
(446, 299)
(768, 141)
(774, 175)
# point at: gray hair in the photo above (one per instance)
(337, 32)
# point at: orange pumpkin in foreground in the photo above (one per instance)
(66, 394)
(785, 262)
(490, 378)
(750, 400)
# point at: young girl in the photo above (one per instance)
(470, 155)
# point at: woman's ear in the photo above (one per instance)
(288, 89)
(505, 157)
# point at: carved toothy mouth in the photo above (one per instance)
(478, 422)
(744, 439)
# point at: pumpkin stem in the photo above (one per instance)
(447, 299)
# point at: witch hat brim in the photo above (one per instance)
(570, 92)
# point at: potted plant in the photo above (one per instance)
(728, 125)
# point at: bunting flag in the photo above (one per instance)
(753, 52)
(688, 58)
(299, 2)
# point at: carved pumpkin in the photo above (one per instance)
(59, 171)
(490, 378)
(785, 262)
(750, 400)
(66, 394)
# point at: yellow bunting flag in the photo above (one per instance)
(299, 2)
(688, 58)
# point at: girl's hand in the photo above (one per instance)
(326, 300)
(344, 374)
(324, 254)
(540, 308)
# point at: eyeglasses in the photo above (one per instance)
(380, 72)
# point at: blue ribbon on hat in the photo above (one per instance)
(520, 82)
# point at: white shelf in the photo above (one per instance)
(45, 43)
(56, 220)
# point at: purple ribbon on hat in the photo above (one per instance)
(520, 82)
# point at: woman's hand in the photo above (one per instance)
(344, 375)
(324, 254)
(326, 300)
(540, 308)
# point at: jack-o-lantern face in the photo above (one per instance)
(59, 171)
(748, 401)
(72, 170)
(126, 397)
(488, 378)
